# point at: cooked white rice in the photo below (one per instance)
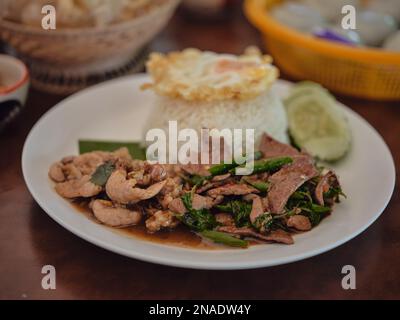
(264, 113)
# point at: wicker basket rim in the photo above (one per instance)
(18, 27)
(256, 12)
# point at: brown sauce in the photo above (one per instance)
(179, 236)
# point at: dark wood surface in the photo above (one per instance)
(30, 239)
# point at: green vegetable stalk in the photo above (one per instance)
(261, 186)
(226, 167)
(224, 238)
(303, 200)
(271, 165)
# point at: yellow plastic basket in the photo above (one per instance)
(360, 72)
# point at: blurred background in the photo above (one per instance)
(96, 40)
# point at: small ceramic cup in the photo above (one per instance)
(14, 84)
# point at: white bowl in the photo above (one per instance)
(14, 84)
(14, 79)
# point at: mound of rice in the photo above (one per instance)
(264, 113)
(201, 89)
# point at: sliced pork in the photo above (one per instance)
(287, 180)
(232, 189)
(274, 236)
(327, 181)
(299, 222)
(272, 148)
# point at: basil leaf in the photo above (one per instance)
(102, 173)
(198, 220)
(240, 211)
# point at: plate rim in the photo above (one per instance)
(207, 265)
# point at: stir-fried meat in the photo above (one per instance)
(257, 178)
(299, 222)
(177, 206)
(173, 187)
(82, 187)
(121, 153)
(122, 190)
(150, 210)
(67, 159)
(140, 177)
(165, 200)
(280, 236)
(249, 197)
(157, 173)
(88, 162)
(257, 209)
(287, 180)
(60, 172)
(263, 176)
(109, 214)
(232, 189)
(71, 171)
(161, 219)
(272, 148)
(56, 172)
(327, 181)
(196, 169)
(74, 167)
(265, 203)
(146, 174)
(200, 202)
(221, 177)
(225, 219)
(171, 190)
(210, 185)
(274, 236)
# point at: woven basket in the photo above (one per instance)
(80, 52)
(360, 72)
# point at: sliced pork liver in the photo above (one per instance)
(328, 180)
(177, 206)
(287, 180)
(257, 209)
(274, 236)
(232, 189)
(299, 222)
(272, 148)
(199, 202)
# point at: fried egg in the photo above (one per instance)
(208, 76)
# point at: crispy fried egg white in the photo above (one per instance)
(195, 75)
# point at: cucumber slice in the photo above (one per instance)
(305, 88)
(316, 122)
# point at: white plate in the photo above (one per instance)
(118, 109)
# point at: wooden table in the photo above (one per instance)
(30, 239)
